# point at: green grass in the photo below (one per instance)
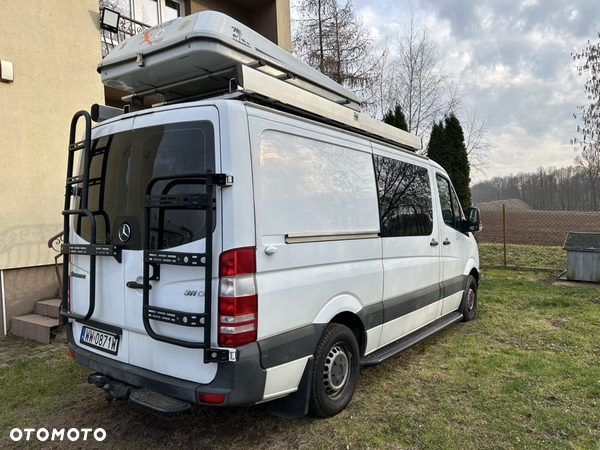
(36, 387)
(523, 256)
(524, 375)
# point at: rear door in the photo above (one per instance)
(163, 143)
(108, 141)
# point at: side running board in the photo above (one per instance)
(403, 344)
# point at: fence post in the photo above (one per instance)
(504, 230)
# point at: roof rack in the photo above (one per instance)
(254, 82)
(251, 82)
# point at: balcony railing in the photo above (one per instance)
(127, 27)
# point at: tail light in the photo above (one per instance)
(238, 300)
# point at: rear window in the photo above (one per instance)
(121, 167)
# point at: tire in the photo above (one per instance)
(469, 301)
(335, 373)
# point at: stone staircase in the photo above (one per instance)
(41, 326)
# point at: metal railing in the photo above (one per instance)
(127, 27)
(55, 243)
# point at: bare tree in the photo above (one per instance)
(478, 140)
(589, 162)
(427, 91)
(548, 188)
(382, 93)
(331, 38)
(589, 142)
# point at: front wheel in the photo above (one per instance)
(335, 373)
(469, 301)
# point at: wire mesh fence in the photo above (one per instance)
(528, 238)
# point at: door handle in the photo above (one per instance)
(136, 285)
(434, 243)
(446, 242)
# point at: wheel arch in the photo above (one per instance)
(344, 309)
(472, 268)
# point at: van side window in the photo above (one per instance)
(405, 205)
(451, 211)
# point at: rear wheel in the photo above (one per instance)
(335, 373)
(469, 302)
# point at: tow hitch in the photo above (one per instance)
(149, 401)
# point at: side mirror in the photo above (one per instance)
(473, 222)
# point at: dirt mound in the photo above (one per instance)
(511, 204)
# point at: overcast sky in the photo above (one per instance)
(513, 60)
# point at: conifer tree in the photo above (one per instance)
(436, 147)
(459, 169)
(396, 118)
(447, 148)
(331, 38)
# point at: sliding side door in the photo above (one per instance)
(410, 239)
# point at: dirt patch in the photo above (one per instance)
(559, 321)
(203, 428)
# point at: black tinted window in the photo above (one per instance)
(121, 169)
(404, 198)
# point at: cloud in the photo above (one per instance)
(516, 151)
(513, 58)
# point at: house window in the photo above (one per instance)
(153, 12)
(173, 9)
(149, 12)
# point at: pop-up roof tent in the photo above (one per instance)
(208, 54)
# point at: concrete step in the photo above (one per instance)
(36, 327)
(48, 308)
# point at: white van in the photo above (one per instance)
(258, 244)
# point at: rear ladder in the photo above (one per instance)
(78, 185)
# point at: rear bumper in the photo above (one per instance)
(242, 382)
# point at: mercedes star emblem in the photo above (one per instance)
(124, 232)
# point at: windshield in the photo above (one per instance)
(121, 167)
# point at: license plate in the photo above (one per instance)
(107, 342)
